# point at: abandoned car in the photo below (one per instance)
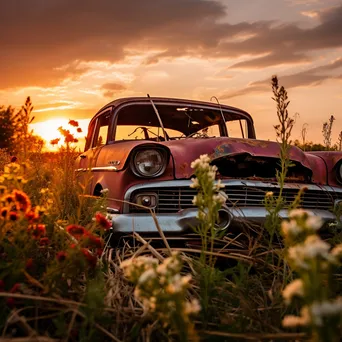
(140, 150)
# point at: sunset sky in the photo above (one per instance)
(72, 57)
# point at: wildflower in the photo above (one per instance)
(3, 212)
(195, 184)
(219, 185)
(293, 289)
(319, 310)
(220, 198)
(31, 216)
(23, 201)
(54, 141)
(37, 230)
(313, 247)
(192, 307)
(13, 216)
(76, 231)
(102, 221)
(79, 130)
(336, 252)
(73, 123)
(39, 210)
(202, 162)
(290, 228)
(269, 194)
(61, 256)
(298, 213)
(16, 288)
(147, 275)
(94, 241)
(92, 259)
(99, 252)
(44, 241)
(29, 263)
(294, 321)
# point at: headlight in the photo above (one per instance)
(339, 172)
(149, 163)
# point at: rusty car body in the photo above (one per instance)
(140, 151)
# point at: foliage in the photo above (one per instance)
(327, 130)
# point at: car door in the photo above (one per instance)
(97, 138)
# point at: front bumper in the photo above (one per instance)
(183, 221)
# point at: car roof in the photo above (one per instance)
(125, 100)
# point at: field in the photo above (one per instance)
(62, 277)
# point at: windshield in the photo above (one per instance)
(140, 122)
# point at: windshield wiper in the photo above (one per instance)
(159, 118)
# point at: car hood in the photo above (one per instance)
(186, 151)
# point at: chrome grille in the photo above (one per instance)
(173, 199)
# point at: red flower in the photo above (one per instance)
(92, 259)
(44, 241)
(16, 287)
(73, 123)
(29, 263)
(61, 256)
(73, 245)
(79, 130)
(13, 216)
(4, 212)
(54, 141)
(99, 252)
(22, 200)
(37, 230)
(94, 241)
(32, 216)
(13, 159)
(102, 221)
(76, 231)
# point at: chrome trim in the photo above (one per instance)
(182, 221)
(227, 183)
(98, 168)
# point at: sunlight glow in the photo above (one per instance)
(48, 130)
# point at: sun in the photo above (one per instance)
(48, 130)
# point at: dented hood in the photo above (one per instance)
(185, 151)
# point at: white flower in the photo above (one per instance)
(294, 321)
(202, 162)
(195, 200)
(192, 307)
(290, 228)
(297, 213)
(211, 175)
(195, 184)
(147, 275)
(219, 185)
(337, 251)
(293, 289)
(220, 198)
(324, 309)
(313, 222)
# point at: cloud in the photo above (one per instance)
(309, 14)
(310, 77)
(110, 89)
(47, 41)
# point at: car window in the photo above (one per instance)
(101, 131)
(133, 132)
(236, 129)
